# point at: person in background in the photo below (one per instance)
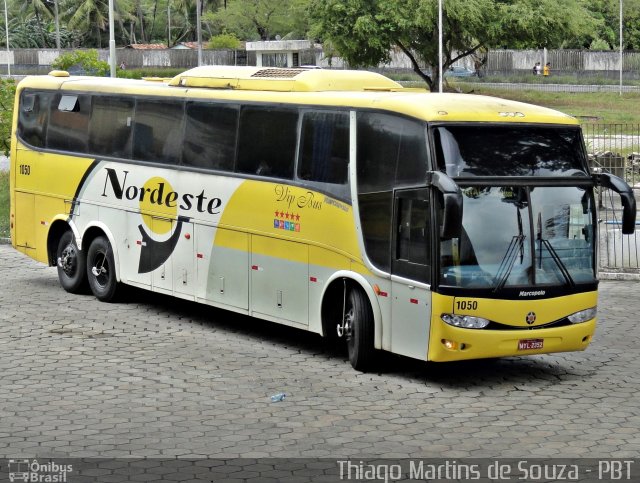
(547, 69)
(537, 69)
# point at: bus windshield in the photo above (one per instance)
(516, 236)
(490, 150)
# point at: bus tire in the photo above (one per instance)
(101, 270)
(71, 264)
(359, 316)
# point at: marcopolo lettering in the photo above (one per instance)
(159, 194)
(535, 293)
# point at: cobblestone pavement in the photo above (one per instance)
(153, 376)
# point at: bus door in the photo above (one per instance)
(411, 273)
(132, 254)
(172, 264)
(222, 265)
(280, 279)
(182, 260)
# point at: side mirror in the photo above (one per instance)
(452, 204)
(607, 180)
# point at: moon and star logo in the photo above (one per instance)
(153, 253)
(159, 205)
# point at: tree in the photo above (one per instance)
(365, 31)
(7, 95)
(86, 60)
(260, 19)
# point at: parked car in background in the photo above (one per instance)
(459, 71)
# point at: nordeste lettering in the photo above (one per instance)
(158, 195)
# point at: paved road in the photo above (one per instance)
(157, 377)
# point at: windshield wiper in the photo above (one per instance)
(554, 255)
(515, 248)
(506, 265)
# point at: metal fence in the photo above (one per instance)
(615, 149)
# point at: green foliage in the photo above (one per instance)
(87, 60)
(4, 204)
(365, 31)
(7, 95)
(224, 41)
(606, 18)
(147, 72)
(31, 34)
(599, 44)
(260, 19)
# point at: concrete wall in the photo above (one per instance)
(504, 61)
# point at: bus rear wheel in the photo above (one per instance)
(358, 321)
(101, 270)
(71, 264)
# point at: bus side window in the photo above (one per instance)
(210, 136)
(267, 143)
(33, 117)
(391, 152)
(110, 127)
(158, 131)
(69, 122)
(324, 147)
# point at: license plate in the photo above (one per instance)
(530, 344)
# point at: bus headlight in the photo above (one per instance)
(583, 315)
(465, 321)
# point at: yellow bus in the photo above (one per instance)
(437, 226)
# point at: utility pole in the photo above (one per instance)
(6, 28)
(621, 57)
(199, 27)
(112, 41)
(440, 73)
(168, 24)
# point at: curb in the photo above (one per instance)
(5, 241)
(626, 277)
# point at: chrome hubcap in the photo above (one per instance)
(68, 260)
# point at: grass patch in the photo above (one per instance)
(4, 204)
(588, 107)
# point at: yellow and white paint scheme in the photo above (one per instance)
(259, 247)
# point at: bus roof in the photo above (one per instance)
(320, 87)
(282, 80)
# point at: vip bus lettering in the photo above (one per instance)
(307, 200)
(158, 196)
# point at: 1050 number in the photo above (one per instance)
(25, 169)
(466, 305)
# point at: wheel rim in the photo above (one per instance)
(348, 323)
(68, 260)
(100, 269)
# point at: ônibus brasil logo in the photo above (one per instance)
(34, 471)
(158, 196)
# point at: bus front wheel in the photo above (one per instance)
(358, 318)
(71, 264)
(101, 270)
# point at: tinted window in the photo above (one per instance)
(210, 136)
(33, 117)
(391, 152)
(413, 239)
(69, 123)
(509, 151)
(157, 131)
(324, 147)
(267, 141)
(111, 127)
